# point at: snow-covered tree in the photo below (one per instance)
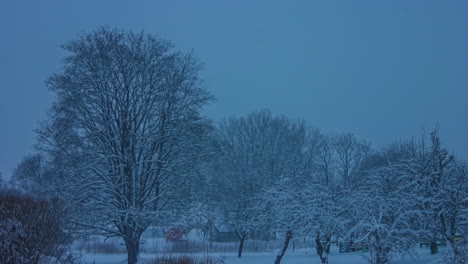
(442, 190)
(307, 208)
(126, 130)
(328, 216)
(386, 213)
(256, 152)
(310, 201)
(430, 166)
(276, 207)
(453, 215)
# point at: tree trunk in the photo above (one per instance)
(382, 253)
(326, 251)
(383, 256)
(289, 235)
(323, 251)
(133, 249)
(433, 246)
(381, 260)
(318, 246)
(241, 244)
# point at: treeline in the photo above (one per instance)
(126, 147)
(265, 175)
(276, 174)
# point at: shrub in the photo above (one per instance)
(31, 231)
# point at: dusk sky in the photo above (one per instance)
(382, 70)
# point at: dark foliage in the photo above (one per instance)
(31, 231)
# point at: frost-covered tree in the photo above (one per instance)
(430, 166)
(442, 191)
(437, 192)
(307, 208)
(125, 130)
(327, 216)
(256, 152)
(386, 213)
(310, 201)
(454, 214)
(276, 205)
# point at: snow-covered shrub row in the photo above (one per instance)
(101, 245)
(177, 259)
(96, 244)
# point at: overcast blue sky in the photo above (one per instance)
(380, 69)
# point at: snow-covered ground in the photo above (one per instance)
(302, 256)
(309, 257)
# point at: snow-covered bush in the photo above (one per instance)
(186, 260)
(11, 232)
(457, 254)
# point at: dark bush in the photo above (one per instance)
(31, 230)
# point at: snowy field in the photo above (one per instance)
(304, 256)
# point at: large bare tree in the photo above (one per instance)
(125, 129)
(350, 154)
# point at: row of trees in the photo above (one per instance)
(125, 147)
(280, 175)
